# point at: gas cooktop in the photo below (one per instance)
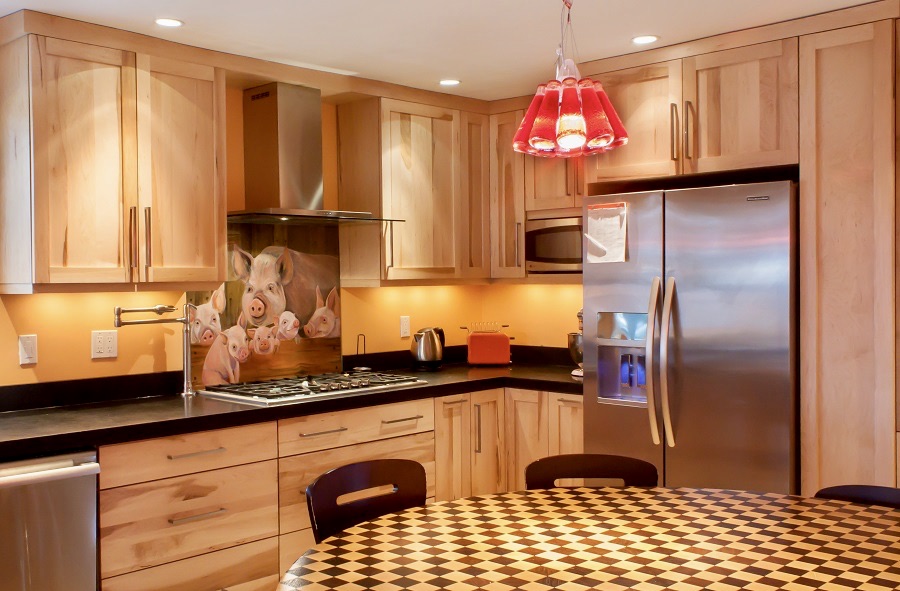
(300, 388)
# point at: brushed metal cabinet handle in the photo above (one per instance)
(664, 360)
(199, 517)
(478, 428)
(329, 432)
(148, 262)
(133, 236)
(688, 145)
(403, 420)
(673, 129)
(194, 454)
(652, 312)
(518, 225)
(569, 179)
(391, 243)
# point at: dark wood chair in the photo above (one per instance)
(329, 517)
(543, 473)
(866, 494)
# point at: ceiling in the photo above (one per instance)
(497, 48)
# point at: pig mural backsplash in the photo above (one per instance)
(278, 315)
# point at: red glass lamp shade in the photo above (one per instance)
(569, 118)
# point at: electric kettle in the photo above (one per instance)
(427, 347)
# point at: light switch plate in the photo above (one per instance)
(104, 344)
(27, 349)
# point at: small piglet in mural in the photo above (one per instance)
(228, 351)
(279, 279)
(326, 320)
(263, 340)
(288, 326)
(205, 322)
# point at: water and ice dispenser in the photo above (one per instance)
(621, 356)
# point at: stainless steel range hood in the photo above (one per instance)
(283, 158)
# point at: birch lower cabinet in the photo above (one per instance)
(469, 445)
(110, 167)
(196, 512)
(309, 446)
(540, 424)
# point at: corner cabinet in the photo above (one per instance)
(726, 110)
(431, 174)
(119, 178)
(469, 445)
(507, 197)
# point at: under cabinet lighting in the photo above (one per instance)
(169, 22)
(449, 82)
(645, 39)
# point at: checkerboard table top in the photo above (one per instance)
(614, 539)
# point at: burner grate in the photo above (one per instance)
(297, 389)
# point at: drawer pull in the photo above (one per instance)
(207, 515)
(404, 419)
(205, 452)
(460, 401)
(338, 430)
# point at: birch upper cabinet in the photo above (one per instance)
(424, 165)
(117, 180)
(724, 110)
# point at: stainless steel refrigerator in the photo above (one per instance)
(690, 342)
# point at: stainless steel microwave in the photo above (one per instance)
(553, 245)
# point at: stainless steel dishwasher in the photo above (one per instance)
(48, 508)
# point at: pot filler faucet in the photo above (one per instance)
(185, 320)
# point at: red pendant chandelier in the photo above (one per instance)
(569, 116)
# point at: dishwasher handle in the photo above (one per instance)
(39, 476)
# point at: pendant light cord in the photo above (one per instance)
(566, 38)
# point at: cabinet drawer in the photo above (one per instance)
(152, 459)
(336, 429)
(249, 567)
(152, 523)
(296, 472)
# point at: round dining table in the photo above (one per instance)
(613, 539)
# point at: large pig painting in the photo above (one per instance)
(279, 279)
(261, 321)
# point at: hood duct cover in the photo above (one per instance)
(283, 158)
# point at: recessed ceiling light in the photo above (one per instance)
(169, 22)
(449, 82)
(644, 39)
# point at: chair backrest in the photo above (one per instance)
(543, 473)
(328, 517)
(867, 494)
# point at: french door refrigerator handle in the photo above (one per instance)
(664, 360)
(652, 311)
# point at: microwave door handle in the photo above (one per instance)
(652, 312)
(664, 360)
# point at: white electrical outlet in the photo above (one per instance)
(27, 349)
(104, 344)
(404, 326)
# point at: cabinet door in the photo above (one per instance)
(452, 428)
(566, 424)
(181, 207)
(847, 245)
(487, 442)
(566, 435)
(553, 183)
(474, 236)
(507, 198)
(84, 180)
(647, 99)
(526, 433)
(420, 169)
(740, 107)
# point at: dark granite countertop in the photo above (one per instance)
(63, 429)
